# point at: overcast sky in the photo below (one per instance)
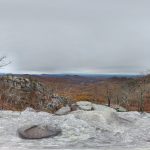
(76, 36)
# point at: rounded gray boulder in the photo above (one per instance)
(38, 131)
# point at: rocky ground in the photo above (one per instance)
(100, 128)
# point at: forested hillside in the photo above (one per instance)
(19, 92)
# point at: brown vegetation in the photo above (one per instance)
(17, 93)
(131, 93)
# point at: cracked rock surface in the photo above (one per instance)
(102, 129)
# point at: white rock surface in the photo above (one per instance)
(102, 108)
(102, 129)
(84, 105)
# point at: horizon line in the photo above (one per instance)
(35, 73)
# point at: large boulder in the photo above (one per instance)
(38, 131)
(84, 105)
(63, 111)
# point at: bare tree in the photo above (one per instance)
(4, 91)
(3, 61)
(127, 89)
(108, 94)
(141, 93)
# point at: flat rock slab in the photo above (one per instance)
(38, 131)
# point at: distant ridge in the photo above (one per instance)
(104, 76)
(92, 75)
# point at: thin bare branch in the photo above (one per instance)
(3, 62)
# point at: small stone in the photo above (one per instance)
(29, 109)
(119, 108)
(63, 111)
(74, 107)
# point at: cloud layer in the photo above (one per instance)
(86, 36)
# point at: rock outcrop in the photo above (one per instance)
(22, 91)
(19, 92)
(23, 83)
(101, 127)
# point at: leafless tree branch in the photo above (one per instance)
(3, 61)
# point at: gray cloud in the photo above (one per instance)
(95, 36)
